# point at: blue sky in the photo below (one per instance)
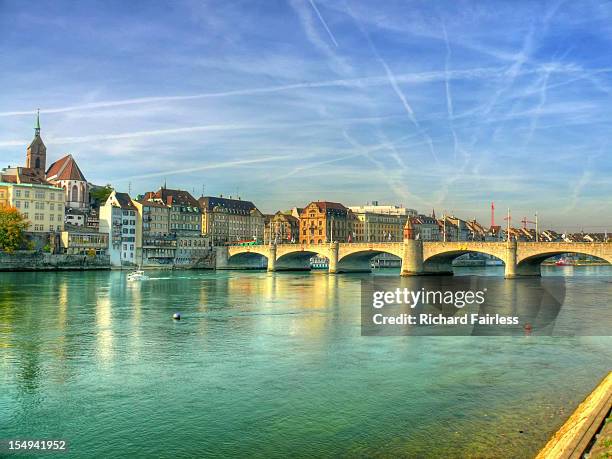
(445, 105)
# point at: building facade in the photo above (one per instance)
(41, 205)
(185, 225)
(155, 244)
(118, 219)
(185, 214)
(4, 202)
(227, 220)
(83, 241)
(426, 228)
(325, 221)
(375, 208)
(282, 228)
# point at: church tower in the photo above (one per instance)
(36, 157)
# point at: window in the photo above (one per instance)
(26, 204)
(18, 193)
(18, 204)
(27, 194)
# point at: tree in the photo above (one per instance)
(12, 228)
(101, 193)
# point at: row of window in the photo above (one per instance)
(185, 226)
(51, 228)
(37, 205)
(38, 194)
(185, 218)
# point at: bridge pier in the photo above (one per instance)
(513, 269)
(272, 258)
(333, 258)
(510, 260)
(412, 258)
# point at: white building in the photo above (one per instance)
(374, 208)
(118, 218)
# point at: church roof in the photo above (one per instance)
(65, 168)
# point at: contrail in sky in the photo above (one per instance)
(418, 77)
(329, 32)
(224, 164)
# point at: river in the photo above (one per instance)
(274, 365)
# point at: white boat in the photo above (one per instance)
(137, 275)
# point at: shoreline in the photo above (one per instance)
(581, 432)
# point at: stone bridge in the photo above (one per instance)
(417, 257)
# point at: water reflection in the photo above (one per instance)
(254, 343)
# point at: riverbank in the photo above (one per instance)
(40, 261)
(32, 260)
(586, 430)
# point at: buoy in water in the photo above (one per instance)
(176, 316)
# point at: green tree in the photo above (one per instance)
(12, 228)
(100, 194)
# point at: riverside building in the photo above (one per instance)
(118, 220)
(325, 221)
(41, 205)
(227, 220)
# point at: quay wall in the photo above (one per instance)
(32, 260)
(39, 261)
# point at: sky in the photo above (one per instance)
(431, 105)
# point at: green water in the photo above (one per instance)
(273, 365)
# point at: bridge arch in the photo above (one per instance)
(247, 258)
(360, 260)
(357, 257)
(298, 260)
(438, 256)
(530, 264)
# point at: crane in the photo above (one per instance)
(524, 221)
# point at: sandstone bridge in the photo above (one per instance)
(417, 257)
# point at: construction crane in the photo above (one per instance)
(524, 221)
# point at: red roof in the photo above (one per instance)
(65, 168)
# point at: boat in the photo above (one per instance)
(563, 262)
(137, 275)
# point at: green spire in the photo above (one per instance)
(37, 127)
